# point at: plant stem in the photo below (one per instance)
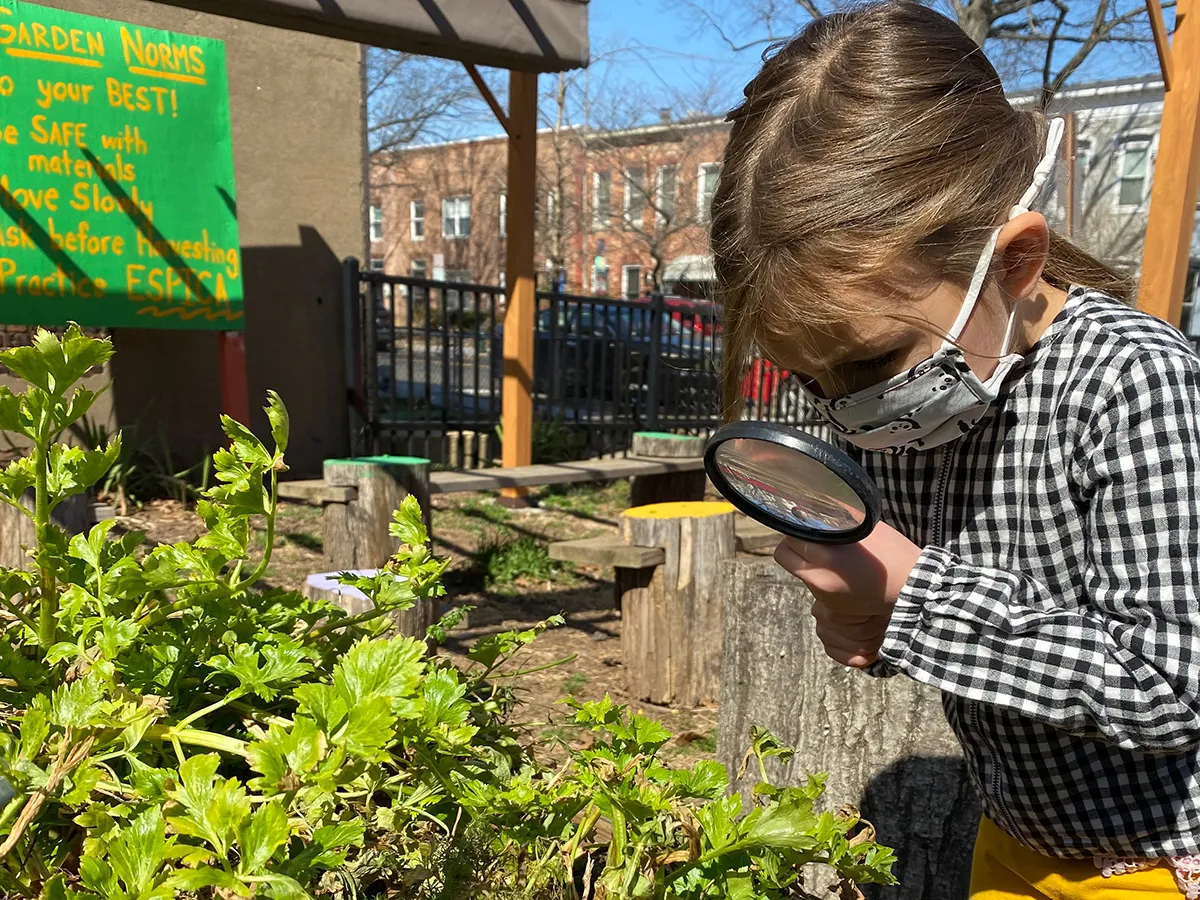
(346, 622)
(200, 713)
(272, 512)
(47, 624)
(195, 738)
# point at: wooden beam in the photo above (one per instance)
(490, 98)
(235, 389)
(1176, 176)
(517, 410)
(1070, 149)
(1162, 43)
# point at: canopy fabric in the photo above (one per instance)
(526, 35)
(693, 268)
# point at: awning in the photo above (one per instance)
(693, 268)
(526, 35)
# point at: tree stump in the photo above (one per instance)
(884, 742)
(17, 534)
(670, 487)
(671, 614)
(325, 586)
(356, 533)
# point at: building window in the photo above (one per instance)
(456, 217)
(416, 211)
(601, 198)
(666, 193)
(376, 264)
(376, 223)
(503, 214)
(417, 268)
(1133, 166)
(706, 186)
(600, 281)
(635, 197)
(454, 297)
(631, 277)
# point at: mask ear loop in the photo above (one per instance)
(1041, 175)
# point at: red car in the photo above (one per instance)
(701, 315)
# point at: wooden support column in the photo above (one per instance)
(517, 410)
(235, 389)
(1176, 171)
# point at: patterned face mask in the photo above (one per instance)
(940, 398)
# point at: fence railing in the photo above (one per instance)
(433, 367)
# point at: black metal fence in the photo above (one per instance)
(432, 366)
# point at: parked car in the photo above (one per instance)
(598, 352)
(699, 315)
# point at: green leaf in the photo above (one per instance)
(17, 478)
(34, 729)
(11, 418)
(390, 669)
(260, 836)
(98, 876)
(764, 744)
(443, 699)
(488, 650)
(286, 751)
(78, 704)
(343, 834)
(89, 547)
(280, 665)
(245, 447)
(213, 809)
(370, 727)
(55, 889)
(283, 888)
(136, 854)
(206, 877)
(81, 783)
(707, 779)
(277, 415)
(73, 470)
(54, 365)
(785, 825)
(407, 525)
(324, 704)
(78, 407)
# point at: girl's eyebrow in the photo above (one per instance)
(874, 346)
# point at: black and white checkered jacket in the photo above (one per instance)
(1057, 601)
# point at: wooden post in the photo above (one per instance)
(517, 409)
(1070, 148)
(235, 390)
(885, 741)
(356, 535)
(17, 534)
(670, 486)
(1176, 174)
(671, 614)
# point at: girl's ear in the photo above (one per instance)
(1021, 251)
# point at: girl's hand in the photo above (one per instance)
(855, 587)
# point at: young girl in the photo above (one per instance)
(1036, 441)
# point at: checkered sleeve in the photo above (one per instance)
(1123, 666)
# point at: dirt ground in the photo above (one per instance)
(499, 567)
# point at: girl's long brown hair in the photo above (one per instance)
(874, 148)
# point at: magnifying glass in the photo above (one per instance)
(792, 482)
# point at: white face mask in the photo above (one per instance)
(941, 398)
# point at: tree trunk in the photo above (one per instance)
(884, 742)
(17, 534)
(671, 615)
(356, 534)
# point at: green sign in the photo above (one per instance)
(116, 175)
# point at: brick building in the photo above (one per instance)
(617, 211)
(620, 211)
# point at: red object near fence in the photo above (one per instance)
(762, 381)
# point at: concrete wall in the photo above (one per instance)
(298, 147)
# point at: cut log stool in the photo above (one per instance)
(672, 486)
(671, 616)
(17, 533)
(325, 586)
(356, 532)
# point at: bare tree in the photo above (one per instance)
(413, 98)
(1049, 40)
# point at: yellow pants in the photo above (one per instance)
(1004, 869)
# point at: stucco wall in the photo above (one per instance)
(296, 102)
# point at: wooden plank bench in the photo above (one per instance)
(610, 550)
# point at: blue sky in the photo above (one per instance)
(652, 51)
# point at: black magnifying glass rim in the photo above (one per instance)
(829, 456)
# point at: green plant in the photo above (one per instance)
(554, 441)
(504, 558)
(168, 729)
(575, 683)
(144, 469)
